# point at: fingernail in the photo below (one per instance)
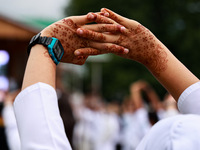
(90, 16)
(77, 53)
(126, 51)
(122, 29)
(106, 14)
(119, 27)
(80, 31)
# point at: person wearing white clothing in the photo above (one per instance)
(96, 128)
(84, 132)
(36, 109)
(136, 120)
(11, 130)
(136, 125)
(107, 131)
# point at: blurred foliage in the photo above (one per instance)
(175, 22)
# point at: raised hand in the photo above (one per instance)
(143, 46)
(139, 86)
(65, 31)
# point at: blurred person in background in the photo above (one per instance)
(97, 124)
(142, 110)
(135, 119)
(145, 95)
(4, 87)
(11, 130)
(64, 105)
(111, 127)
(66, 113)
(87, 114)
(169, 106)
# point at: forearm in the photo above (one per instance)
(176, 77)
(153, 98)
(40, 67)
(136, 98)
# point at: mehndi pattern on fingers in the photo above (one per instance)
(144, 48)
(70, 23)
(113, 16)
(101, 19)
(65, 31)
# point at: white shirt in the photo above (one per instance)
(189, 101)
(39, 123)
(41, 127)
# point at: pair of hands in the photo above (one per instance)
(112, 34)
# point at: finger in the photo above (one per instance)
(96, 17)
(124, 31)
(95, 36)
(109, 48)
(76, 21)
(82, 57)
(84, 19)
(87, 52)
(119, 19)
(101, 48)
(103, 28)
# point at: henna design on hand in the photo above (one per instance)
(144, 48)
(65, 31)
(70, 23)
(93, 36)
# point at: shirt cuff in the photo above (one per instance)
(189, 102)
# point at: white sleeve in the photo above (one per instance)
(11, 130)
(189, 101)
(39, 123)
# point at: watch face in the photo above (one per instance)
(58, 50)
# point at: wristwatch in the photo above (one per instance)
(53, 45)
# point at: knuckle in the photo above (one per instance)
(102, 38)
(102, 28)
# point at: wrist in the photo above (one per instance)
(46, 33)
(157, 60)
(41, 52)
(53, 45)
(40, 67)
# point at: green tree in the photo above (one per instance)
(175, 23)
